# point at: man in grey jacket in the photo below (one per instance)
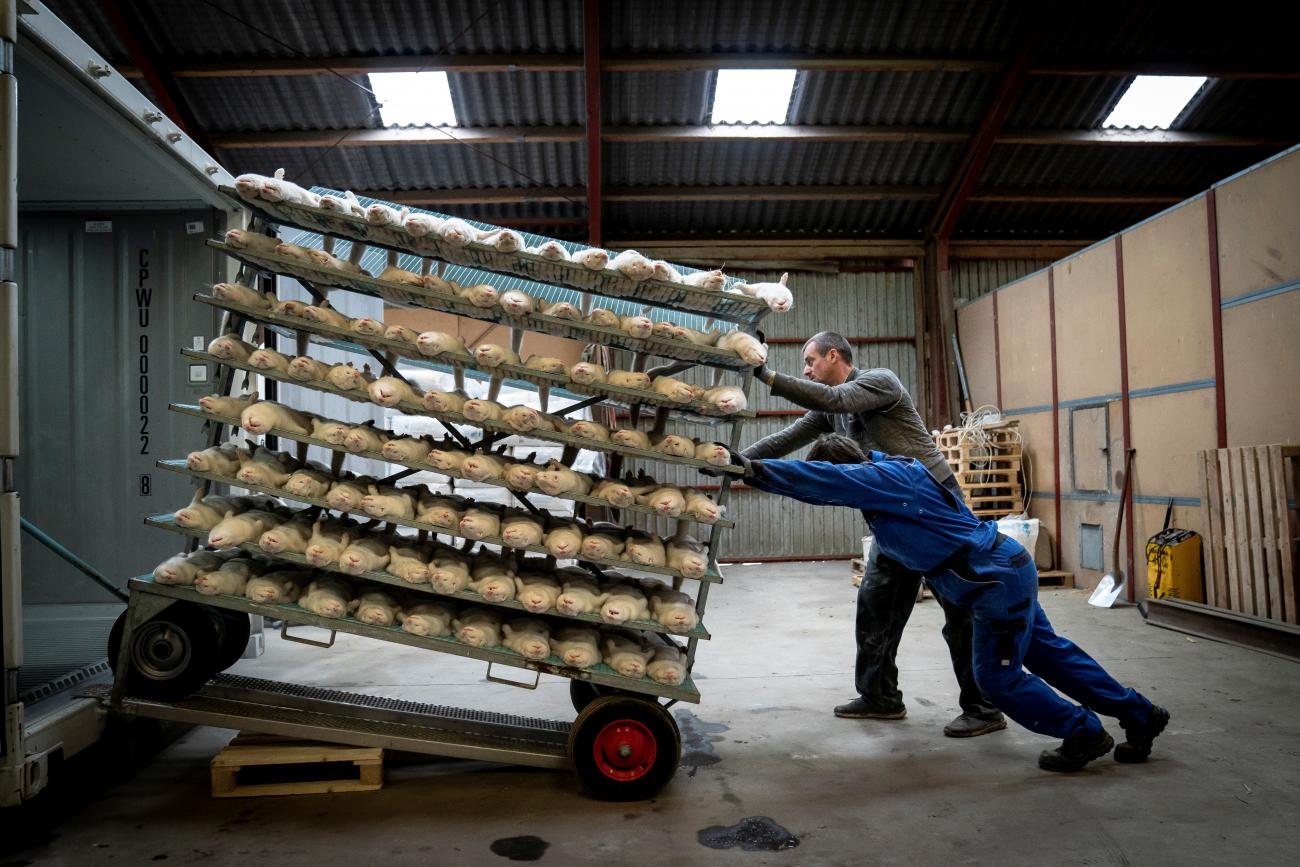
(872, 408)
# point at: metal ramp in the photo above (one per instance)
(292, 710)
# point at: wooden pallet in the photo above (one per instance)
(1055, 578)
(298, 768)
(1003, 435)
(975, 477)
(1252, 546)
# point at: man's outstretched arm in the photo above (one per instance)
(808, 427)
(871, 486)
(870, 392)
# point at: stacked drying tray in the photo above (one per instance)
(730, 307)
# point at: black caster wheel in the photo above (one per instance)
(233, 637)
(584, 692)
(172, 654)
(624, 748)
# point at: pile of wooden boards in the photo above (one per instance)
(986, 463)
(1252, 541)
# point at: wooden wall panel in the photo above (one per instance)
(1261, 366)
(1167, 298)
(1168, 432)
(1036, 429)
(1025, 337)
(1259, 222)
(1087, 324)
(1074, 513)
(975, 327)
(1044, 510)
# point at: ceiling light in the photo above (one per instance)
(752, 95)
(1154, 101)
(413, 98)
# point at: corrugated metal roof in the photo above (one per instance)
(896, 219)
(1128, 169)
(1065, 102)
(888, 98)
(781, 162)
(445, 166)
(819, 26)
(1070, 220)
(518, 98)
(187, 31)
(1249, 106)
(656, 98)
(1156, 30)
(332, 28)
(89, 22)
(280, 102)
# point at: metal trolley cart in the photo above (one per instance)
(171, 644)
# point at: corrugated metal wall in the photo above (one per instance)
(873, 304)
(972, 278)
(99, 364)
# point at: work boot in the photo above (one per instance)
(1075, 752)
(860, 708)
(1138, 738)
(971, 726)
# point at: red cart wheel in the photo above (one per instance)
(624, 748)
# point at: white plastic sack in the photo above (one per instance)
(1026, 531)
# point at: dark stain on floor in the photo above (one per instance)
(753, 834)
(526, 848)
(698, 738)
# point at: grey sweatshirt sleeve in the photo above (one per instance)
(869, 392)
(809, 426)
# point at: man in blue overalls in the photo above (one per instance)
(925, 527)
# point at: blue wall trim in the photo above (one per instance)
(1258, 294)
(1089, 401)
(1027, 410)
(1153, 391)
(1145, 499)
(1172, 388)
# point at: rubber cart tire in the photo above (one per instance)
(235, 629)
(172, 654)
(624, 748)
(584, 692)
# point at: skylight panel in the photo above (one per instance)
(1154, 101)
(752, 95)
(413, 98)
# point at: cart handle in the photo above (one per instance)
(284, 633)
(537, 676)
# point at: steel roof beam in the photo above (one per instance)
(783, 192)
(326, 138)
(473, 63)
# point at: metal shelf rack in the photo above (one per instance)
(620, 769)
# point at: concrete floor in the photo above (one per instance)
(1222, 787)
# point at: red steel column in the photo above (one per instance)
(1056, 408)
(1124, 404)
(591, 63)
(1216, 314)
(997, 351)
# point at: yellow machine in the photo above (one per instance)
(1174, 565)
